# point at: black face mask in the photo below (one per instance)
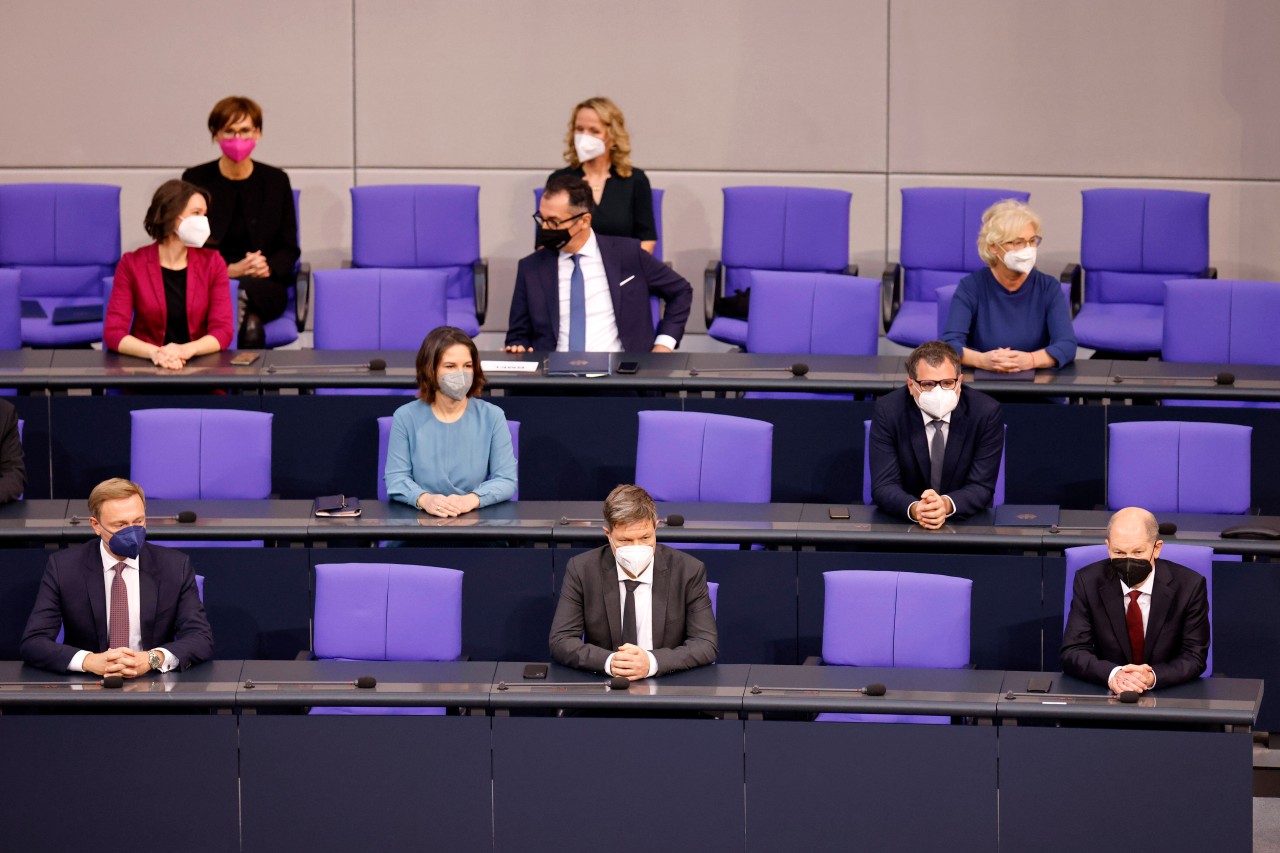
(1131, 570)
(554, 239)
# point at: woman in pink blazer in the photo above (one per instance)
(171, 300)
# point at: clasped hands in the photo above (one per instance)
(1137, 677)
(123, 662)
(932, 509)
(254, 265)
(630, 662)
(447, 506)
(1005, 360)
(521, 348)
(172, 356)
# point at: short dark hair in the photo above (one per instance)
(932, 353)
(167, 205)
(580, 198)
(433, 346)
(230, 109)
(628, 504)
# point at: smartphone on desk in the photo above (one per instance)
(244, 359)
(535, 670)
(838, 513)
(627, 368)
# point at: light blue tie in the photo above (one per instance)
(577, 309)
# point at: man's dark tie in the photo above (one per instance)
(1133, 617)
(119, 633)
(629, 632)
(577, 309)
(937, 452)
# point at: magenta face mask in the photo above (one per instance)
(237, 149)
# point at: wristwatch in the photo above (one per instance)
(154, 659)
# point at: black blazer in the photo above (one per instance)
(13, 470)
(73, 595)
(1096, 639)
(535, 305)
(626, 205)
(899, 452)
(271, 221)
(684, 629)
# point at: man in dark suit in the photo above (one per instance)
(13, 470)
(128, 607)
(643, 608)
(585, 292)
(1136, 621)
(935, 452)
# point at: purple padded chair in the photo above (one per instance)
(1198, 557)
(811, 312)
(1131, 241)
(63, 238)
(201, 454)
(379, 309)
(425, 226)
(1179, 466)
(1221, 322)
(700, 457)
(939, 246)
(384, 437)
(10, 309)
(386, 611)
(797, 229)
(997, 495)
(895, 619)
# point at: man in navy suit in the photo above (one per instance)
(935, 452)
(586, 292)
(1136, 621)
(128, 607)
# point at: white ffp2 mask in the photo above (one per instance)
(1022, 260)
(634, 559)
(938, 402)
(194, 231)
(588, 147)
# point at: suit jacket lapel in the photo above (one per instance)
(1161, 603)
(549, 282)
(918, 437)
(956, 434)
(1113, 604)
(612, 603)
(613, 273)
(95, 589)
(155, 285)
(147, 599)
(661, 592)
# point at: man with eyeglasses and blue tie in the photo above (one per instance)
(587, 292)
(935, 452)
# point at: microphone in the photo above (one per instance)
(797, 369)
(675, 520)
(564, 519)
(875, 689)
(372, 364)
(112, 682)
(1128, 697)
(364, 682)
(1164, 528)
(1223, 378)
(617, 682)
(186, 516)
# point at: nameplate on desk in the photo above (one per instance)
(579, 364)
(1027, 515)
(509, 366)
(991, 375)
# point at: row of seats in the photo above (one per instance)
(1164, 466)
(64, 239)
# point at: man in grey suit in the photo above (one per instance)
(633, 608)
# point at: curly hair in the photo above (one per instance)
(614, 124)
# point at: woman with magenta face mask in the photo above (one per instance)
(253, 223)
(598, 149)
(171, 301)
(1010, 316)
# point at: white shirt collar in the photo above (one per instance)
(645, 577)
(109, 562)
(928, 418)
(589, 249)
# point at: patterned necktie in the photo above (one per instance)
(119, 638)
(937, 451)
(577, 309)
(1133, 617)
(629, 632)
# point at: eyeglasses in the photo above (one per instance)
(1018, 244)
(236, 133)
(553, 222)
(929, 384)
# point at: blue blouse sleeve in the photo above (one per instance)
(398, 473)
(1062, 335)
(960, 318)
(501, 483)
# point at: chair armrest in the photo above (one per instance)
(713, 288)
(480, 276)
(302, 294)
(1209, 272)
(852, 269)
(305, 654)
(890, 294)
(1073, 274)
(813, 660)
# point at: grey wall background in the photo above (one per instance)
(865, 95)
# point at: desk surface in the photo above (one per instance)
(210, 685)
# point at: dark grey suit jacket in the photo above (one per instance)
(684, 629)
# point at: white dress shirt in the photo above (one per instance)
(644, 615)
(928, 438)
(135, 620)
(602, 326)
(1144, 607)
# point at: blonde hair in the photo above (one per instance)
(1002, 222)
(113, 490)
(614, 124)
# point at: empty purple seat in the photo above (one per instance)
(10, 309)
(386, 611)
(201, 454)
(895, 619)
(363, 309)
(700, 457)
(997, 495)
(384, 436)
(1179, 466)
(64, 239)
(939, 246)
(1131, 241)
(797, 229)
(425, 226)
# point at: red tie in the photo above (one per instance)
(120, 610)
(1133, 616)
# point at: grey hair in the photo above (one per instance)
(627, 505)
(1002, 222)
